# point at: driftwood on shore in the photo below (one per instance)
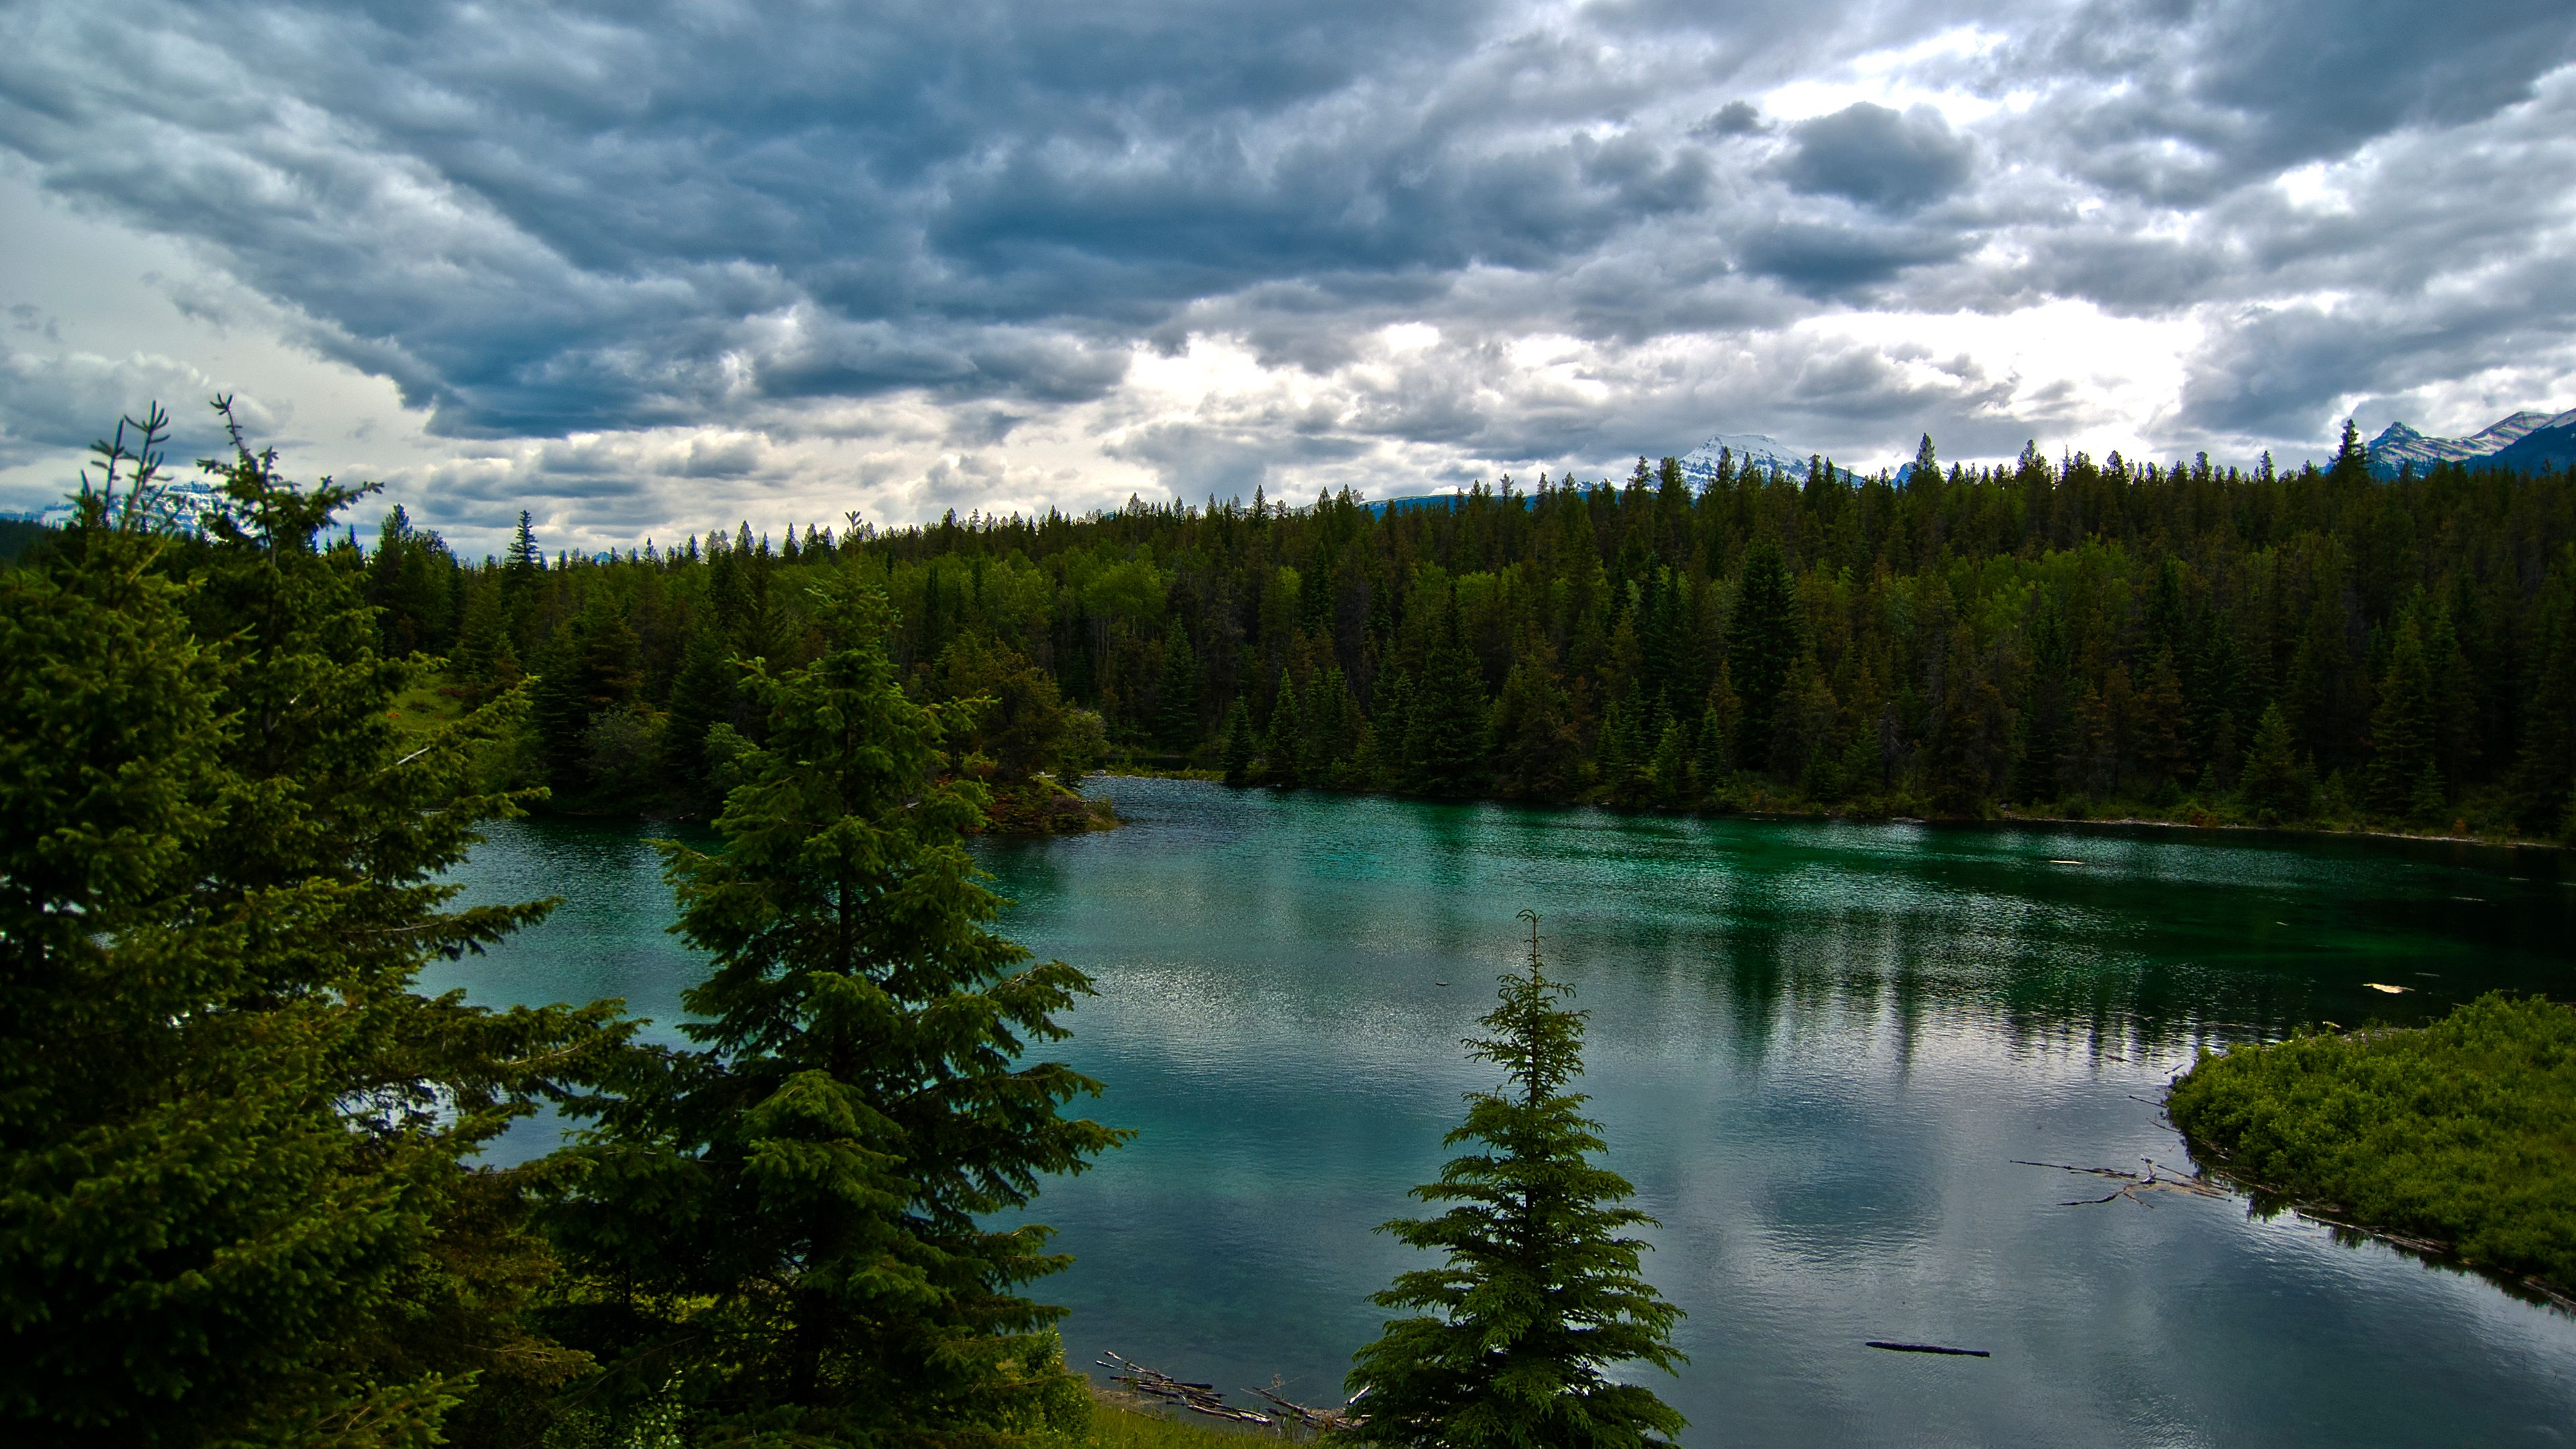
(1320, 1420)
(1197, 1398)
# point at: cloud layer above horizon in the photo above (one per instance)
(644, 269)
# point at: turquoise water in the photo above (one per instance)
(1817, 1050)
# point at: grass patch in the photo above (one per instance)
(2462, 1132)
(1116, 1426)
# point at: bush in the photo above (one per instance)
(2462, 1131)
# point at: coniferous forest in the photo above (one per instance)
(2071, 638)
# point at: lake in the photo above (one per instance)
(1817, 1049)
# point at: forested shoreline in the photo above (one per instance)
(2071, 639)
(241, 1194)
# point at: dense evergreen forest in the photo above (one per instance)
(2071, 638)
(242, 1200)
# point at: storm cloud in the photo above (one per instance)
(913, 254)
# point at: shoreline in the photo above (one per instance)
(2266, 1200)
(2001, 818)
(2437, 1139)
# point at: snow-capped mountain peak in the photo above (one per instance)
(1750, 450)
(2399, 445)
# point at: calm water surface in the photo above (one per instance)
(1817, 1050)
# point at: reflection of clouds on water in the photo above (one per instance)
(1816, 1049)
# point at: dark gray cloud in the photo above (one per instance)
(1735, 118)
(1877, 157)
(608, 218)
(1843, 261)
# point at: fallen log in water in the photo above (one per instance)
(2131, 1183)
(1927, 1348)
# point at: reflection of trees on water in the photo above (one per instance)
(1744, 930)
(2118, 968)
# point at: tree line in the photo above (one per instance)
(242, 1200)
(2068, 638)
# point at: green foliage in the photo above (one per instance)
(1762, 645)
(2072, 638)
(2463, 1131)
(1445, 738)
(1115, 1426)
(791, 1217)
(2277, 787)
(233, 1200)
(1538, 1291)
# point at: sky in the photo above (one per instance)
(647, 269)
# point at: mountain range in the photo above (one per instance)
(2524, 442)
(1751, 450)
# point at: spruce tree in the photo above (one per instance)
(1539, 1292)
(2545, 772)
(1239, 749)
(2275, 787)
(1446, 745)
(1535, 743)
(1176, 693)
(1762, 644)
(793, 1218)
(232, 1137)
(702, 697)
(2404, 730)
(1282, 743)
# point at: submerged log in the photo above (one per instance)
(2131, 1183)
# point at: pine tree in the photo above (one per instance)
(795, 1214)
(1239, 749)
(2162, 752)
(1281, 743)
(702, 697)
(1176, 693)
(2545, 772)
(2275, 788)
(1389, 730)
(1762, 644)
(1446, 744)
(1535, 743)
(1669, 767)
(525, 558)
(1332, 730)
(2404, 730)
(1713, 758)
(1538, 1293)
(233, 1138)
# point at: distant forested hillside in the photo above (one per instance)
(17, 535)
(2076, 638)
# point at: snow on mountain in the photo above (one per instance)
(2400, 445)
(2551, 445)
(1751, 450)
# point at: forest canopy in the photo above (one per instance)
(2064, 637)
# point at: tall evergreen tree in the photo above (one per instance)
(2405, 730)
(1446, 744)
(1176, 693)
(2544, 777)
(1539, 1292)
(1240, 751)
(1282, 743)
(794, 1217)
(2275, 786)
(1536, 747)
(1762, 644)
(232, 1137)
